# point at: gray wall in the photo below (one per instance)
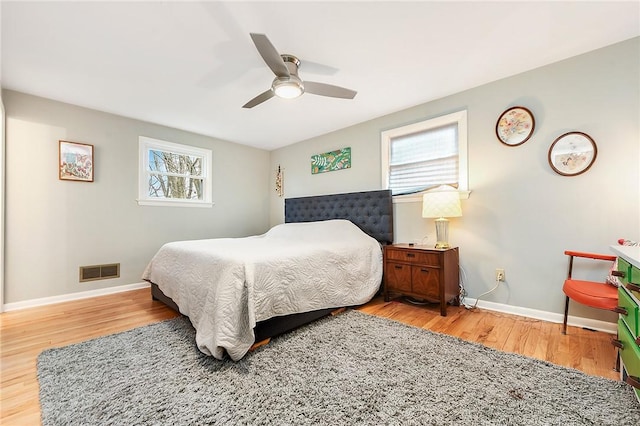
(520, 215)
(53, 226)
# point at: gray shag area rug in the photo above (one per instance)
(349, 369)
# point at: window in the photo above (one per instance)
(424, 155)
(171, 174)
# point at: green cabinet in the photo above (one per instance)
(628, 340)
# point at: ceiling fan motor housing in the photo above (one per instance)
(291, 62)
(289, 87)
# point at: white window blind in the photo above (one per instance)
(425, 154)
(423, 160)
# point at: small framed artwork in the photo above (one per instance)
(572, 153)
(515, 126)
(331, 161)
(75, 161)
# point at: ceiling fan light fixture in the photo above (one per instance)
(288, 89)
(287, 84)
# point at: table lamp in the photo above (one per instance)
(441, 202)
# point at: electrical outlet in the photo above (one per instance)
(499, 274)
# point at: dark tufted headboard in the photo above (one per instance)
(372, 211)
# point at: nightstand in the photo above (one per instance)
(422, 272)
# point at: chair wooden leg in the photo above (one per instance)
(566, 314)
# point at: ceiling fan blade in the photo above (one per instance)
(262, 97)
(323, 89)
(270, 55)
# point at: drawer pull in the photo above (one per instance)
(411, 255)
(617, 343)
(621, 310)
(633, 287)
(620, 274)
(398, 266)
(633, 381)
(425, 270)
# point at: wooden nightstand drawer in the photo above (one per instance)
(414, 256)
(426, 281)
(398, 276)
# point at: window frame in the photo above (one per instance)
(459, 118)
(146, 144)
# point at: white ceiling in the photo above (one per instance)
(192, 65)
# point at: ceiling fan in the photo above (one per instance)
(287, 83)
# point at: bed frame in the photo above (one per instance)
(371, 211)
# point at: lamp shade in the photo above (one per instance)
(442, 201)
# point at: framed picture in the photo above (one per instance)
(331, 161)
(572, 153)
(515, 126)
(75, 161)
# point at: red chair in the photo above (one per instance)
(598, 295)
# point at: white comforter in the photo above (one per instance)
(226, 285)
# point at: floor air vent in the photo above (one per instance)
(99, 272)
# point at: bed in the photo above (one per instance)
(229, 321)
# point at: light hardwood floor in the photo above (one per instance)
(25, 333)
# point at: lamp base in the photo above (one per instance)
(442, 233)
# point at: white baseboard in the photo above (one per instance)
(72, 296)
(607, 327)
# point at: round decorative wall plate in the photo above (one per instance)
(515, 126)
(572, 153)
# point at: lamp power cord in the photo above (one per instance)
(463, 292)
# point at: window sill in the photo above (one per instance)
(175, 203)
(417, 198)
